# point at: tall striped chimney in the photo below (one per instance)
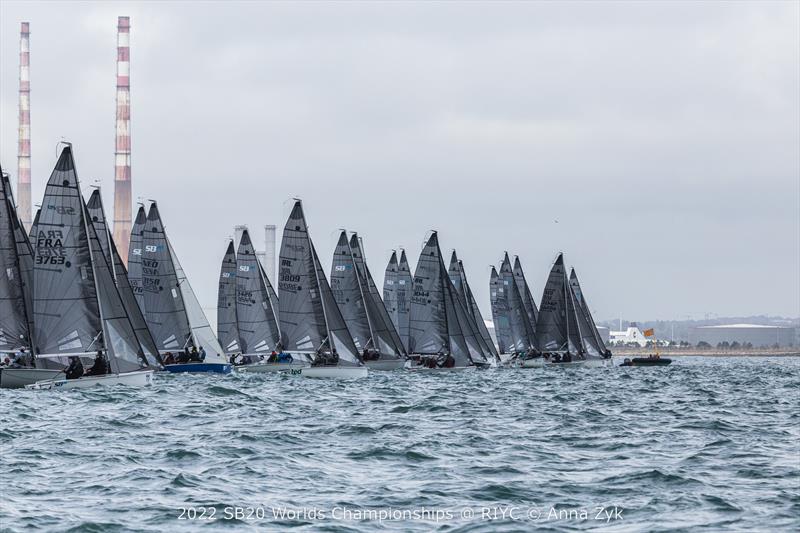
(122, 168)
(24, 146)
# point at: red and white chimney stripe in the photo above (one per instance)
(122, 170)
(24, 146)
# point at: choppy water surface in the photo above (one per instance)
(707, 443)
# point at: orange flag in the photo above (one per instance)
(649, 333)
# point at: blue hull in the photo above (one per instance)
(215, 368)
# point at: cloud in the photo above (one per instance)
(663, 136)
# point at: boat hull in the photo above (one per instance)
(263, 368)
(586, 363)
(208, 368)
(337, 372)
(386, 364)
(437, 369)
(131, 379)
(18, 378)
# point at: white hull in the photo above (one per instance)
(539, 362)
(18, 378)
(338, 372)
(131, 379)
(262, 368)
(452, 369)
(587, 363)
(386, 364)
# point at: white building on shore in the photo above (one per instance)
(632, 334)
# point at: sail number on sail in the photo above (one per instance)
(50, 248)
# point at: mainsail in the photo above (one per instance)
(500, 313)
(522, 332)
(525, 292)
(120, 273)
(348, 293)
(459, 280)
(135, 257)
(596, 341)
(227, 332)
(472, 306)
(397, 287)
(384, 335)
(77, 307)
(310, 320)
(16, 264)
(256, 322)
(163, 302)
(437, 320)
(557, 327)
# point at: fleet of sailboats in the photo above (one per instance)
(67, 300)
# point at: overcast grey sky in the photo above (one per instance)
(663, 137)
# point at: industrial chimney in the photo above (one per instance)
(24, 146)
(122, 164)
(269, 252)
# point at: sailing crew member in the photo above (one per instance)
(100, 366)
(194, 356)
(202, 354)
(75, 368)
(184, 356)
(169, 359)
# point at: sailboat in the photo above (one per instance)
(458, 277)
(515, 334)
(173, 313)
(77, 309)
(16, 293)
(441, 337)
(311, 324)
(397, 288)
(593, 341)
(363, 311)
(120, 273)
(563, 332)
(256, 326)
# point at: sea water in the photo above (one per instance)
(709, 443)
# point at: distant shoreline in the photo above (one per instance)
(710, 352)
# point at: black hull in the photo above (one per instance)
(647, 361)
